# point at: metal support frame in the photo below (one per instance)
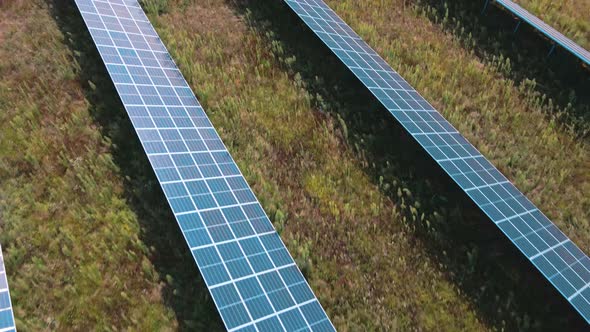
(551, 50)
(485, 6)
(517, 26)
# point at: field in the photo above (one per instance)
(385, 240)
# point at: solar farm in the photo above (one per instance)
(296, 165)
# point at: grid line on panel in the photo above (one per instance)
(579, 291)
(523, 223)
(253, 279)
(232, 240)
(7, 322)
(549, 249)
(255, 274)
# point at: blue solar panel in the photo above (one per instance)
(545, 29)
(252, 278)
(558, 259)
(6, 315)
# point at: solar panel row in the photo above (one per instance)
(546, 29)
(252, 278)
(6, 315)
(558, 258)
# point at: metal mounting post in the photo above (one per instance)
(551, 50)
(517, 26)
(485, 6)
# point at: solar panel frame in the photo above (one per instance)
(250, 274)
(7, 322)
(564, 265)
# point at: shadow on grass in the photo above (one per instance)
(559, 75)
(507, 291)
(184, 291)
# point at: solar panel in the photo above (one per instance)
(251, 276)
(6, 315)
(558, 258)
(545, 29)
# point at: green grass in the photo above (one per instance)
(74, 256)
(572, 18)
(383, 240)
(557, 81)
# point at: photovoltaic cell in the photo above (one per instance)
(6, 315)
(558, 258)
(252, 278)
(545, 29)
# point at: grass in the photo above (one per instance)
(74, 256)
(572, 18)
(385, 240)
(557, 80)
